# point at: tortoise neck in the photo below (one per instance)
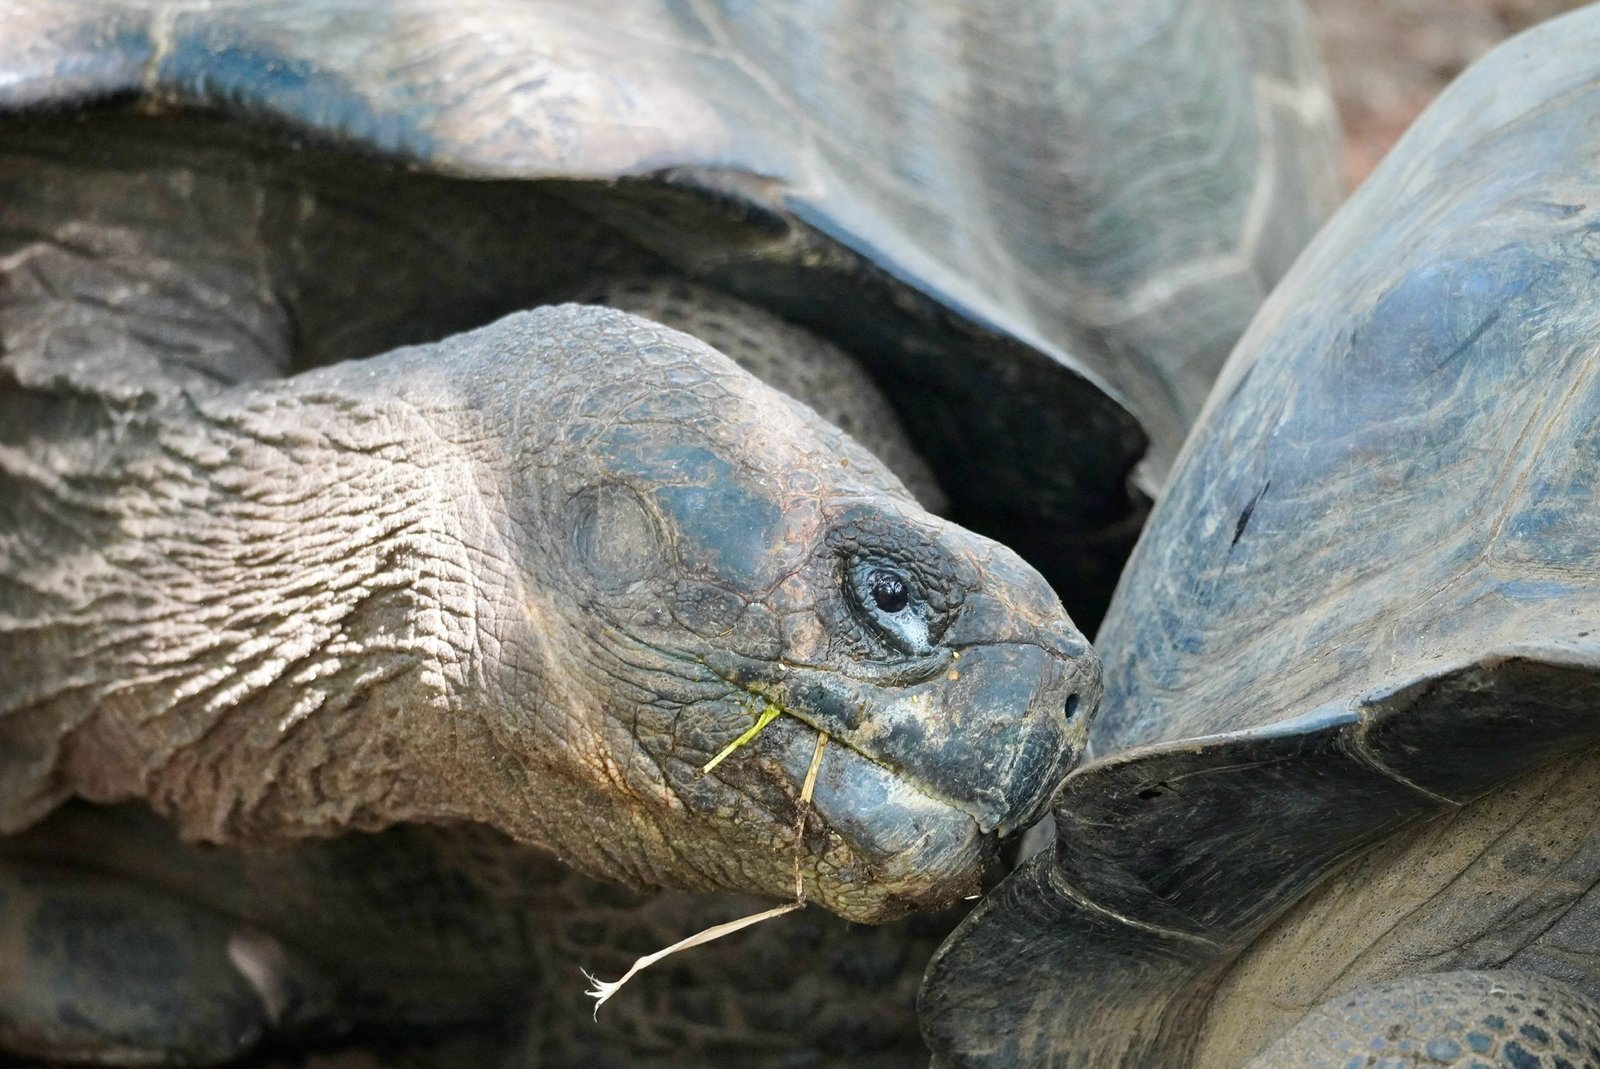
(252, 609)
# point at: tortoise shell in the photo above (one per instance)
(1041, 234)
(1371, 594)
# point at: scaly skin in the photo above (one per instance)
(533, 577)
(527, 579)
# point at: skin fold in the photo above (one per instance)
(345, 614)
(538, 585)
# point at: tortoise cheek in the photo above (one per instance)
(614, 535)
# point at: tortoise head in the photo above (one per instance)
(710, 555)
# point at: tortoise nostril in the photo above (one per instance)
(1071, 708)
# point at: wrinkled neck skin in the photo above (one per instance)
(255, 606)
(533, 577)
(285, 609)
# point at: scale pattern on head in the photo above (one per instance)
(563, 561)
(709, 549)
(794, 361)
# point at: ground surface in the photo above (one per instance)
(1389, 58)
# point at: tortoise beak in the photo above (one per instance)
(992, 727)
(990, 733)
(1016, 703)
(924, 787)
(1018, 725)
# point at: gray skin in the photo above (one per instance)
(533, 577)
(529, 578)
(522, 582)
(787, 358)
(1343, 806)
(204, 203)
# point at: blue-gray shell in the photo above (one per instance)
(1044, 231)
(1370, 595)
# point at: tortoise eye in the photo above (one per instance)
(889, 592)
(890, 604)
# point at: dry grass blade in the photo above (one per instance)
(806, 789)
(604, 989)
(601, 990)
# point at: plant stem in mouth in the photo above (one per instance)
(806, 788)
(768, 715)
(601, 990)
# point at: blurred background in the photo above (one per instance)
(1389, 58)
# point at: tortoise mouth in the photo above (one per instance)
(918, 777)
(990, 735)
(905, 849)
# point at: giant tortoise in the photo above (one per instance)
(391, 614)
(1343, 806)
